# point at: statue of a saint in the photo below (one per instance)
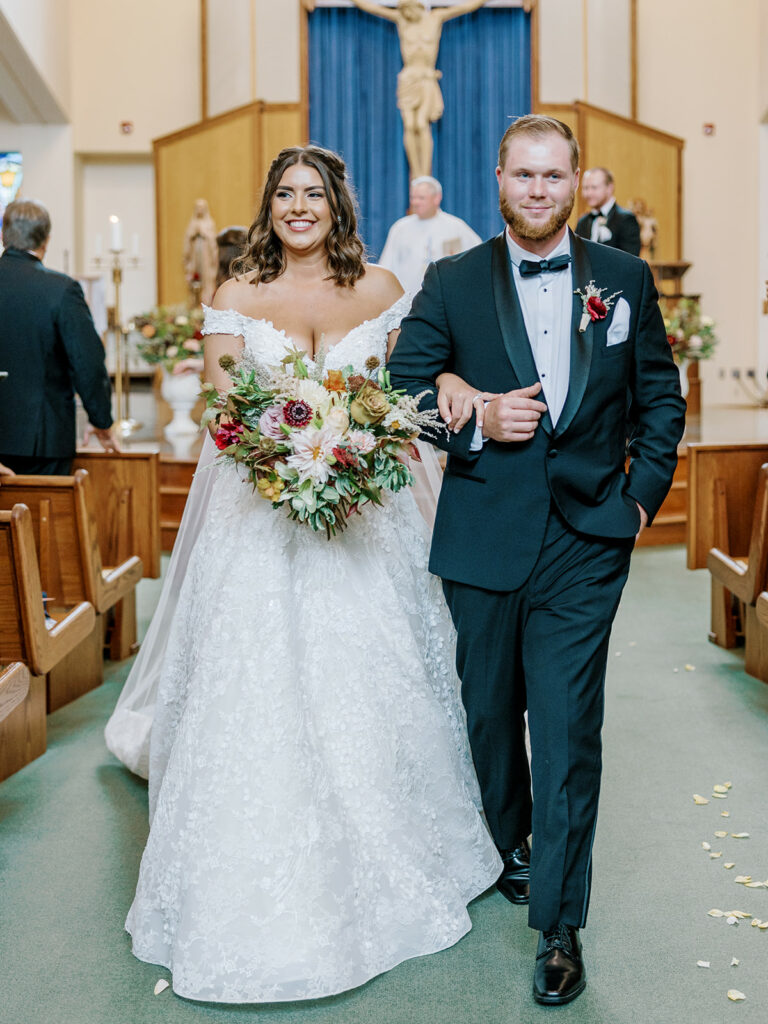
(649, 228)
(201, 254)
(419, 98)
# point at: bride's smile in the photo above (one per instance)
(301, 214)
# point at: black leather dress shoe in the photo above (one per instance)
(514, 880)
(560, 975)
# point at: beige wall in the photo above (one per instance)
(123, 186)
(699, 70)
(253, 52)
(230, 34)
(609, 55)
(562, 28)
(137, 61)
(42, 27)
(278, 67)
(49, 177)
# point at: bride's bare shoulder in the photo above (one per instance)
(236, 293)
(380, 286)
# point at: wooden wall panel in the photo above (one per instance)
(565, 112)
(281, 126)
(223, 160)
(646, 163)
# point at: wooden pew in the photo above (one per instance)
(736, 466)
(723, 485)
(14, 687)
(25, 637)
(69, 556)
(761, 637)
(738, 579)
(125, 487)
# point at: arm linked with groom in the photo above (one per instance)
(538, 515)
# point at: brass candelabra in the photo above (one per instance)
(124, 424)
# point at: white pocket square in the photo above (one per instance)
(619, 328)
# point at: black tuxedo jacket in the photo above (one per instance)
(625, 231)
(50, 349)
(622, 399)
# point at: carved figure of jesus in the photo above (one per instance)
(419, 98)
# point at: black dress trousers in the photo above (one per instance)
(543, 646)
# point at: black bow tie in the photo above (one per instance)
(530, 267)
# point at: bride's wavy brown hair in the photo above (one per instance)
(346, 253)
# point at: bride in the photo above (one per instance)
(315, 817)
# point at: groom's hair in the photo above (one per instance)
(537, 126)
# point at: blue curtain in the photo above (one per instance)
(354, 59)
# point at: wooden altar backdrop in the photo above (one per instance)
(646, 163)
(224, 160)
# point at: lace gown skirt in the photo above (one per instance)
(315, 815)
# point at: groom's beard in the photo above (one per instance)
(539, 232)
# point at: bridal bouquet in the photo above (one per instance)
(319, 444)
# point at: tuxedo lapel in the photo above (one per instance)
(581, 343)
(511, 321)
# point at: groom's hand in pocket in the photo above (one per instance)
(515, 415)
(643, 520)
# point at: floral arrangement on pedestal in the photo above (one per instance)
(169, 334)
(690, 333)
(319, 445)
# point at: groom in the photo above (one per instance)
(538, 514)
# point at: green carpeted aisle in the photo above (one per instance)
(73, 824)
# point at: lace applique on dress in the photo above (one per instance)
(223, 321)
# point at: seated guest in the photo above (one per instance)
(607, 222)
(428, 234)
(49, 349)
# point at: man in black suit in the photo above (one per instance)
(49, 350)
(607, 222)
(537, 515)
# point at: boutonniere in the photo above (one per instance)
(594, 306)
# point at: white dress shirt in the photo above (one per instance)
(600, 231)
(546, 300)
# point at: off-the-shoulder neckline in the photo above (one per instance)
(283, 333)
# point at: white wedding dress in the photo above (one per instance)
(315, 814)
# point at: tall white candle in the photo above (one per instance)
(116, 233)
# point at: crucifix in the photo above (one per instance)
(419, 98)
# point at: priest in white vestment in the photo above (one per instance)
(427, 234)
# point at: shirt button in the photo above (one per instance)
(552, 453)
